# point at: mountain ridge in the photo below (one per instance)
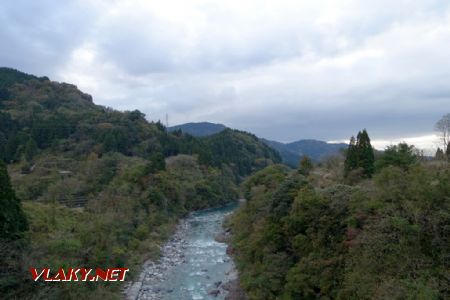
(290, 152)
(198, 128)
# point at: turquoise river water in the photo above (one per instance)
(206, 265)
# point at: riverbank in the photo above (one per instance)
(148, 284)
(233, 287)
(192, 264)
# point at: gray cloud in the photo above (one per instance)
(285, 70)
(38, 36)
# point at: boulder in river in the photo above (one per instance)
(214, 293)
(220, 237)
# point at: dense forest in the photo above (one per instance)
(88, 186)
(367, 227)
(99, 187)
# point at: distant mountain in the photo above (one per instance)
(289, 152)
(287, 156)
(316, 150)
(199, 129)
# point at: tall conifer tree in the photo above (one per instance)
(360, 155)
(351, 160)
(12, 219)
(439, 154)
(366, 157)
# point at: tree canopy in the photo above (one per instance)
(12, 219)
(401, 155)
(360, 155)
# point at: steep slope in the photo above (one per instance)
(43, 114)
(384, 238)
(288, 156)
(132, 178)
(243, 151)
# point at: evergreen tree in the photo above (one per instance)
(351, 160)
(366, 157)
(3, 142)
(110, 143)
(401, 155)
(305, 166)
(360, 155)
(30, 149)
(11, 146)
(12, 219)
(439, 154)
(157, 163)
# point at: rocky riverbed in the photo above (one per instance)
(193, 265)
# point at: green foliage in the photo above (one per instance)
(198, 129)
(133, 179)
(129, 213)
(305, 166)
(45, 131)
(240, 150)
(284, 196)
(157, 163)
(401, 155)
(439, 154)
(12, 219)
(30, 149)
(366, 156)
(351, 160)
(360, 155)
(43, 116)
(268, 178)
(384, 240)
(9, 77)
(409, 229)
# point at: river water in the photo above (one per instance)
(203, 265)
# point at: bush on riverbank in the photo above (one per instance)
(383, 238)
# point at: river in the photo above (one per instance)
(193, 264)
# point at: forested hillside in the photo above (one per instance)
(361, 230)
(291, 153)
(100, 187)
(199, 129)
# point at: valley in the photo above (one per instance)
(86, 186)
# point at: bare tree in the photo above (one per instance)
(443, 127)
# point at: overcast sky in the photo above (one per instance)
(284, 70)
